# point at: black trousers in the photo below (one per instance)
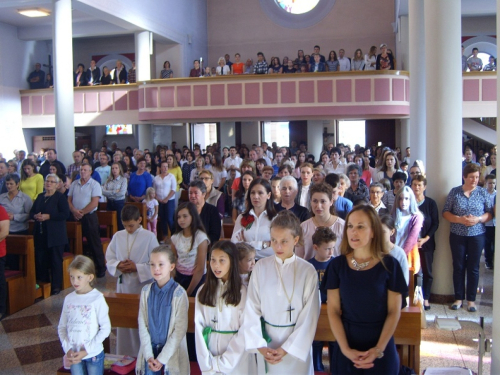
(117, 206)
(426, 259)
(3, 287)
(90, 229)
(48, 262)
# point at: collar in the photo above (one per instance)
(80, 181)
(252, 212)
(286, 261)
(164, 289)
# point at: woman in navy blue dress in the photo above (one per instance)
(366, 290)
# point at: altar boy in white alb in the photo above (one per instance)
(283, 293)
(127, 258)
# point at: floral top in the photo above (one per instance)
(477, 204)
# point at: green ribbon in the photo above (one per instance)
(266, 336)
(207, 331)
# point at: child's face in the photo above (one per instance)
(220, 264)
(152, 195)
(80, 281)
(404, 168)
(283, 242)
(184, 219)
(160, 268)
(324, 251)
(247, 263)
(132, 225)
(491, 184)
(398, 185)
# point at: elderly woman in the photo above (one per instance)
(17, 204)
(50, 212)
(318, 176)
(214, 196)
(467, 208)
(358, 189)
(376, 193)
(222, 68)
(289, 190)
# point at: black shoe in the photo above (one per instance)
(427, 308)
(101, 275)
(55, 292)
(456, 307)
(489, 266)
(471, 309)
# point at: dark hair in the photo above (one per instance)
(271, 211)
(196, 223)
(470, 168)
(322, 188)
(241, 190)
(323, 235)
(332, 179)
(31, 164)
(217, 165)
(167, 250)
(287, 167)
(286, 219)
(12, 177)
(335, 150)
(198, 184)
(232, 294)
(57, 166)
(488, 177)
(421, 178)
(399, 176)
(354, 167)
(166, 61)
(130, 212)
(389, 222)
(384, 164)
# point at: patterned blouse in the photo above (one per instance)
(459, 204)
(165, 73)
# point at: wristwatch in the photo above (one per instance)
(380, 353)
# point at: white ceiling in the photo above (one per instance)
(469, 7)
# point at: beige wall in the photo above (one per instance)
(243, 27)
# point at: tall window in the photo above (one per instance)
(278, 132)
(204, 134)
(352, 132)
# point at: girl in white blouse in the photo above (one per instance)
(253, 225)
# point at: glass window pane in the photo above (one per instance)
(278, 132)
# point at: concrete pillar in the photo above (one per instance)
(63, 80)
(315, 138)
(417, 69)
(404, 136)
(495, 352)
(145, 136)
(143, 51)
(444, 118)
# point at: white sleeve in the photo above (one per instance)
(62, 330)
(237, 227)
(204, 357)
(102, 313)
(111, 259)
(299, 342)
(143, 269)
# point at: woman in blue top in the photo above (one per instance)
(467, 208)
(139, 182)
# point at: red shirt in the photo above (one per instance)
(3, 216)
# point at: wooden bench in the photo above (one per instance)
(21, 285)
(227, 230)
(75, 241)
(144, 212)
(124, 309)
(108, 220)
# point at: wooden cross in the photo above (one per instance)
(289, 310)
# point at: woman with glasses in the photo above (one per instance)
(50, 212)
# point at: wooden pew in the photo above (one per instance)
(124, 308)
(21, 285)
(109, 220)
(75, 240)
(227, 230)
(144, 212)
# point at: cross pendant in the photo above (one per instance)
(289, 310)
(214, 321)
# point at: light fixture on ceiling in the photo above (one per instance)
(34, 12)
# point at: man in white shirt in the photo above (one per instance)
(267, 151)
(233, 161)
(335, 165)
(104, 169)
(260, 155)
(344, 62)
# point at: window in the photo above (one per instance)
(352, 132)
(278, 132)
(297, 6)
(204, 134)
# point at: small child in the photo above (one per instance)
(207, 72)
(282, 304)
(246, 257)
(218, 316)
(323, 240)
(152, 206)
(490, 183)
(163, 319)
(84, 322)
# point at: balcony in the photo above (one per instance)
(367, 95)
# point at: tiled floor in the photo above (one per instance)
(29, 343)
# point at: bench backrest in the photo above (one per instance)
(108, 218)
(75, 236)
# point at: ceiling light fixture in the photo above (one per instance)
(34, 12)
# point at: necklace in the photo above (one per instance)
(324, 222)
(290, 309)
(359, 266)
(129, 249)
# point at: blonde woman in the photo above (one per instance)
(222, 68)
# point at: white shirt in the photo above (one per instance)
(186, 256)
(259, 231)
(340, 168)
(236, 162)
(369, 61)
(306, 251)
(218, 176)
(163, 186)
(266, 298)
(84, 322)
(345, 64)
(304, 197)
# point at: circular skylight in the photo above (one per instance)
(297, 6)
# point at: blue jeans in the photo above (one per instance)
(466, 253)
(91, 366)
(156, 352)
(117, 206)
(166, 212)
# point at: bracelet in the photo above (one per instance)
(380, 353)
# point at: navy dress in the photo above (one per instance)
(363, 297)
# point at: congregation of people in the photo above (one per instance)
(333, 228)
